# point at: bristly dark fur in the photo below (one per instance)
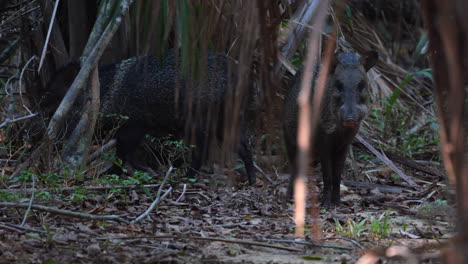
(144, 90)
(343, 108)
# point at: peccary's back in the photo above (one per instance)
(144, 89)
(291, 107)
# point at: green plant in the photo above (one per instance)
(352, 229)
(6, 196)
(365, 157)
(49, 179)
(24, 176)
(44, 196)
(79, 196)
(398, 125)
(167, 150)
(380, 227)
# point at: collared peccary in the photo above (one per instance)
(343, 108)
(159, 99)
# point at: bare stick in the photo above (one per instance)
(235, 241)
(164, 181)
(26, 228)
(158, 198)
(30, 200)
(152, 206)
(386, 160)
(8, 121)
(93, 188)
(101, 150)
(21, 84)
(34, 156)
(183, 193)
(46, 43)
(346, 239)
(65, 212)
(263, 173)
(306, 243)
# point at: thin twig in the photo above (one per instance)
(152, 206)
(346, 239)
(8, 121)
(158, 197)
(306, 243)
(34, 156)
(25, 228)
(183, 193)
(383, 158)
(245, 242)
(93, 188)
(263, 173)
(163, 182)
(30, 200)
(226, 225)
(20, 88)
(46, 43)
(65, 212)
(101, 150)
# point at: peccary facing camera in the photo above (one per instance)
(343, 108)
(144, 90)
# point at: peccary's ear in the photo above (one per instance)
(369, 59)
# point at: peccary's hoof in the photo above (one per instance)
(328, 202)
(115, 169)
(335, 200)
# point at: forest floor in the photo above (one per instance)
(203, 221)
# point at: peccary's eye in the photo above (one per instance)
(339, 86)
(361, 86)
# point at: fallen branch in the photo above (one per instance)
(234, 241)
(34, 156)
(183, 193)
(65, 212)
(354, 242)
(92, 188)
(382, 188)
(158, 197)
(413, 164)
(111, 143)
(383, 158)
(306, 243)
(263, 173)
(244, 242)
(30, 201)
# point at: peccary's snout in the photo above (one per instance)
(351, 113)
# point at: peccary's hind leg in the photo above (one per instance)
(291, 148)
(246, 156)
(199, 154)
(129, 138)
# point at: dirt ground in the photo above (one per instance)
(210, 223)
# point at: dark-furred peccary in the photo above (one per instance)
(344, 105)
(146, 90)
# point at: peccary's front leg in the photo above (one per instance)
(338, 162)
(246, 156)
(326, 161)
(199, 153)
(129, 138)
